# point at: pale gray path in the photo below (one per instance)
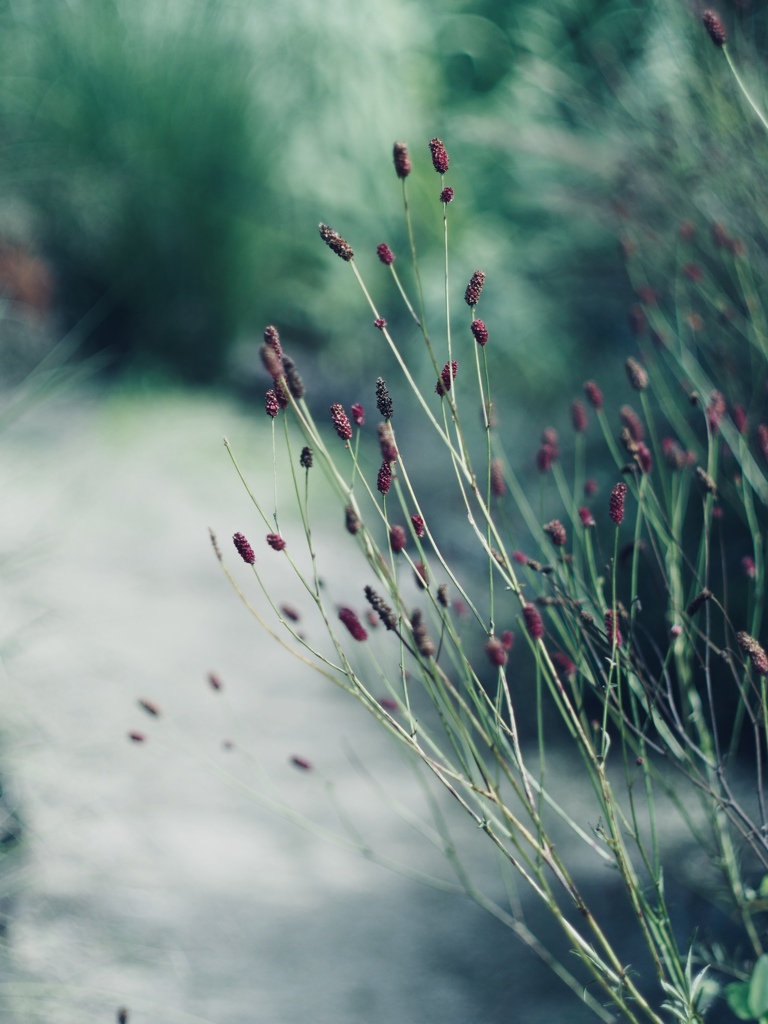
(148, 877)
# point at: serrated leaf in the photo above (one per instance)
(737, 997)
(758, 987)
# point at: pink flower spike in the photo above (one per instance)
(616, 503)
(474, 288)
(353, 624)
(385, 254)
(358, 414)
(586, 517)
(275, 541)
(497, 655)
(533, 622)
(446, 196)
(398, 538)
(439, 156)
(384, 479)
(341, 422)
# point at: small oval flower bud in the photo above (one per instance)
(594, 394)
(756, 654)
(480, 332)
(384, 479)
(306, 458)
(341, 422)
(385, 254)
(498, 486)
(533, 622)
(586, 517)
(474, 288)
(358, 414)
(271, 405)
(402, 161)
(556, 532)
(715, 28)
(439, 156)
(336, 243)
(636, 374)
(244, 549)
(578, 416)
(380, 322)
(275, 541)
(351, 520)
(632, 422)
(353, 624)
(497, 655)
(383, 399)
(447, 376)
(616, 503)
(446, 196)
(418, 524)
(398, 538)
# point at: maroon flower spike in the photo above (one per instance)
(421, 577)
(533, 622)
(578, 416)
(439, 156)
(402, 160)
(387, 442)
(632, 422)
(271, 404)
(590, 488)
(644, 457)
(480, 332)
(385, 254)
(715, 28)
(612, 631)
(418, 524)
(757, 655)
(586, 517)
(446, 196)
(353, 624)
(716, 410)
(594, 394)
(496, 652)
(498, 486)
(446, 378)
(556, 533)
(302, 763)
(398, 538)
(384, 480)
(520, 557)
(272, 361)
(290, 612)
(336, 243)
(566, 669)
(748, 567)
(380, 322)
(545, 456)
(275, 541)
(213, 681)
(383, 399)
(341, 422)
(636, 374)
(358, 414)
(351, 520)
(673, 453)
(272, 339)
(616, 503)
(508, 639)
(244, 549)
(475, 286)
(136, 736)
(739, 417)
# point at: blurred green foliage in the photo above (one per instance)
(173, 159)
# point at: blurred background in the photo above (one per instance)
(164, 166)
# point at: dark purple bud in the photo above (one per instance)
(341, 422)
(380, 322)
(496, 652)
(439, 156)
(418, 524)
(398, 538)
(275, 541)
(480, 332)
(594, 394)
(271, 405)
(385, 254)
(475, 286)
(533, 622)
(358, 414)
(446, 196)
(714, 27)
(402, 160)
(616, 502)
(384, 480)
(244, 549)
(353, 624)
(336, 243)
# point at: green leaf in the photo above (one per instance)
(737, 997)
(763, 890)
(758, 987)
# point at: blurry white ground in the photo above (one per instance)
(147, 879)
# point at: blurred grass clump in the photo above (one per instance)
(169, 158)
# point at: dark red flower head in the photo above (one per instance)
(594, 394)
(275, 541)
(480, 332)
(244, 549)
(496, 652)
(398, 538)
(358, 414)
(446, 196)
(402, 160)
(533, 622)
(341, 422)
(271, 405)
(446, 378)
(556, 533)
(384, 480)
(353, 624)
(418, 524)
(474, 288)
(715, 28)
(578, 416)
(439, 156)
(616, 502)
(336, 243)
(385, 254)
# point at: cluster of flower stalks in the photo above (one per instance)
(619, 577)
